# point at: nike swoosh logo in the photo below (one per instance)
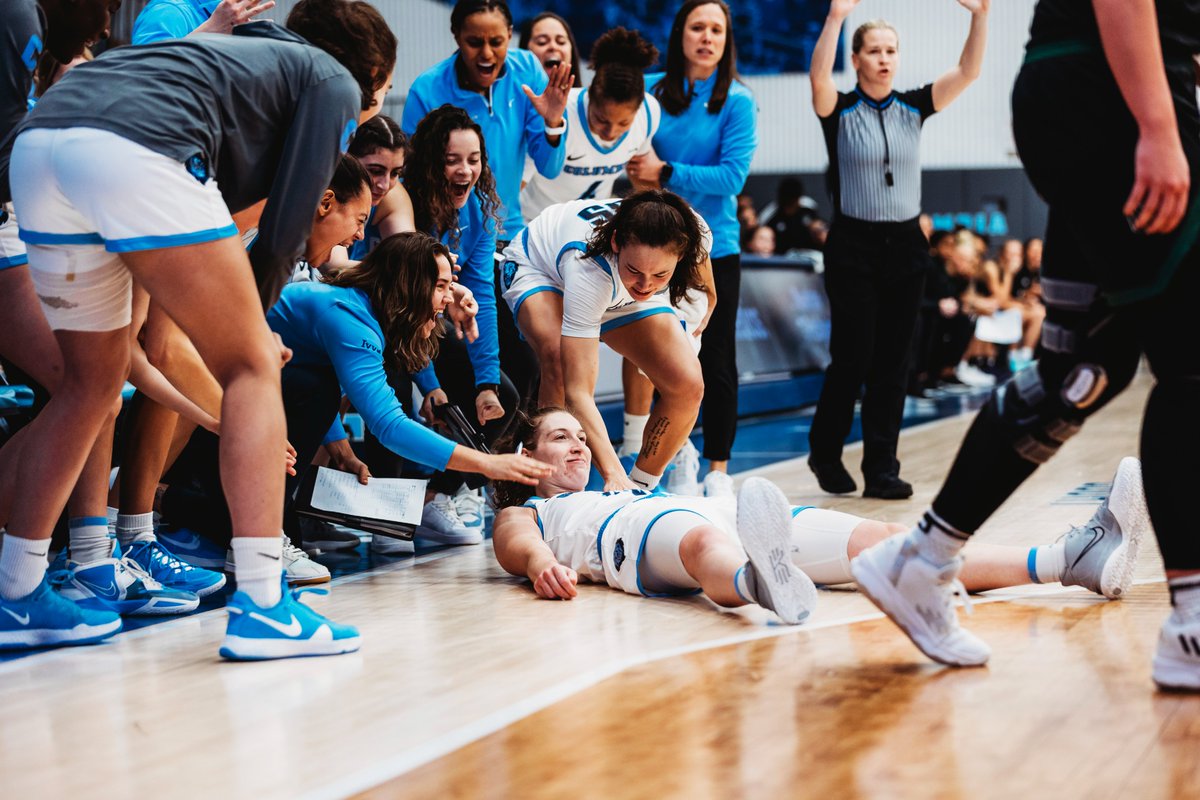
(22, 620)
(109, 592)
(1097, 535)
(291, 631)
(191, 542)
(273, 558)
(574, 158)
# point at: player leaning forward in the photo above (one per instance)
(617, 271)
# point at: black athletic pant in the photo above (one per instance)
(874, 278)
(311, 399)
(1142, 302)
(718, 361)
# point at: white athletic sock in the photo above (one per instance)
(135, 528)
(89, 540)
(1185, 595)
(642, 478)
(258, 566)
(1047, 563)
(936, 540)
(635, 428)
(113, 513)
(742, 580)
(22, 565)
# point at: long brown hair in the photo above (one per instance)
(425, 173)
(656, 218)
(523, 431)
(670, 91)
(353, 32)
(399, 276)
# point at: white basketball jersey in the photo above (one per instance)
(571, 522)
(591, 166)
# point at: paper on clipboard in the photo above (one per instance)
(395, 499)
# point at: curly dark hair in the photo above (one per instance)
(527, 34)
(620, 57)
(425, 173)
(353, 32)
(657, 218)
(670, 91)
(399, 276)
(523, 431)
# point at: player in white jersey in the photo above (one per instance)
(615, 270)
(657, 544)
(610, 122)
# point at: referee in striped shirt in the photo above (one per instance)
(876, 257)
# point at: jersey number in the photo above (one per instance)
(598, 212)
(591, 191)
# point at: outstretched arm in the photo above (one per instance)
(522, 552)
(954, 82)
(1129, 33)
(820, 71)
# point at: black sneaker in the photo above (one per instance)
(888, 487)
(832, 477)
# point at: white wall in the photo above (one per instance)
(974, 133)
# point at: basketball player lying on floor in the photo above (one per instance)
(731, 549)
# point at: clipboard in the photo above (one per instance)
(394, 528)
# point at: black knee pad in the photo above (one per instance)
(1038, 418)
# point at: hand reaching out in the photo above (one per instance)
(551, 103)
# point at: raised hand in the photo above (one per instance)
(841, 8)
(551, 103)
(976, 6)
(234, 12)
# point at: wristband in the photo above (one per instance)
(559, 131)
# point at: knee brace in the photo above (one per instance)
(1038, 418)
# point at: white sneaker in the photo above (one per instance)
(764, 523)
(683, 476)
(1177, 660)
(972, 375)
(1101, 555)
(441, 524)
(469, 503)
(391, 546)
(718, 484)
(298, 568)
(919, 597)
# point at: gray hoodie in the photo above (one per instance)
(262, 110)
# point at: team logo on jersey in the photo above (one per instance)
(197, 167)
(510, 272)
(618, 554)
(32, 52)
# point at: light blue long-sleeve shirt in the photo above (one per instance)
(171, 19)
(710, 155)
(512, 127)
(335, 326)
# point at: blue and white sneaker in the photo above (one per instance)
(120, 585)
(171, 572)
(44, 618)
(194, 548)
(469, 504)
(289, 629)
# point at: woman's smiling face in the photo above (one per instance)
(464, 163)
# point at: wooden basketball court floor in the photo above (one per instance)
(468, 686)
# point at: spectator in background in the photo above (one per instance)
(792, 217)
(876, 259)
(760, 242)
(549, 37)
(704, 146)
(1027, 292)
(747, 216)
(175, 19)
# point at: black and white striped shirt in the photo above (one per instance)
(875, 153)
